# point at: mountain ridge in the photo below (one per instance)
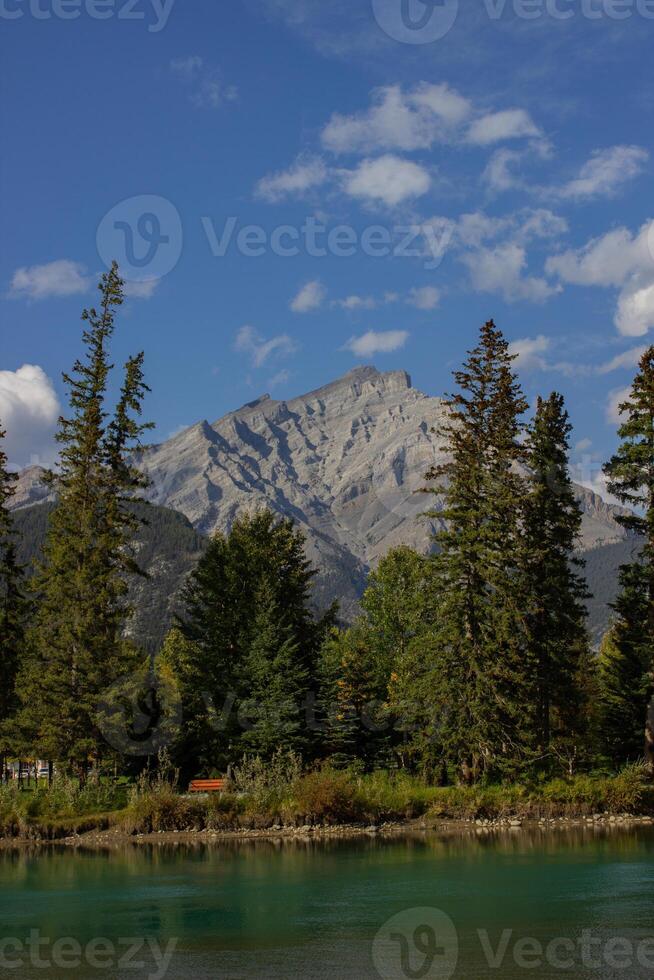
(344, 461)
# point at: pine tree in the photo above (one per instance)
(226, 625)
(554, 586)
(273, 710)
(13, 607)
(76, 644)
(479, 677)
(628, 675)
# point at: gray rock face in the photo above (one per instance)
(346, 462)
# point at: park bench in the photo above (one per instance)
(207, 785)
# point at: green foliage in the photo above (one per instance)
(75, 648)
(554, 587)
(251, 645)
(477, 673)
(13, 605)
(627, 665)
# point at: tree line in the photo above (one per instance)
(472, 663)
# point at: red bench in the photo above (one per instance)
(207, 785)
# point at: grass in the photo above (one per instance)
(280, 795)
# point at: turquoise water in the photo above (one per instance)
(318, 909)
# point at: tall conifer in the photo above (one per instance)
(479, 678)
(76, 644)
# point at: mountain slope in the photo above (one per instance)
(345, 462)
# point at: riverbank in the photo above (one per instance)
(332, 803)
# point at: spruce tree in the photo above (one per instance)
(76, 644)
(479, 680)
(627, 676)
(555, 589)
(229, 626)
(13, 607)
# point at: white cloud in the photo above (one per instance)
(374, 342)
(207, 87)
(617, 259)
(280, 378)
(500, 270)
(616, 398)
(306, 173)
(249, 341)
(310, 297)
(59, 278)
(424, 297)
(635, 312)
(398, 120)
(529, 352)
(498, 173)
(141, 289)
(605, 171)
(355, 302)
(29, 410)
(505, 125)
(388, 179)
(628, 359)
(583, 445)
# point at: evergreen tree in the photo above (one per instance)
(272, 713)
(76, 646)
(479, 678)
(628, 674)
(13, 606)
(228, 625)
(554, 586)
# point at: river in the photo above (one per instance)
(564, 904)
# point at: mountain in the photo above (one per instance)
(344, 461)
(167, 548)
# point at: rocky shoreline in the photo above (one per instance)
(475, 827)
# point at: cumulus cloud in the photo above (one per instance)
(305, 174)
(377, 342)
(621, 260)
(424, 297)
(529, 352)
(310, 297)
(207, 87)
(606, 170)
(355, 302)
(59, 278)
(628, 359)
(250, 341)
(616, 398)
(388, 179)
(500, 269)
(398, 120)
(507, 124)
(29, 410)
(142, 289)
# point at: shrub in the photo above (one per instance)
(326, 796)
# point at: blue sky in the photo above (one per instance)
(418, 183)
